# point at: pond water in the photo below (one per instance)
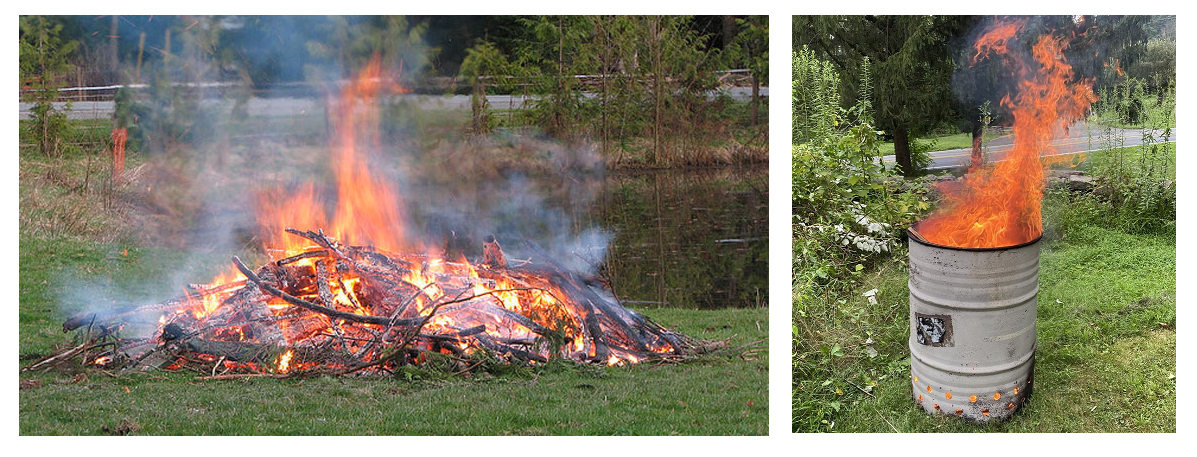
(688, 238)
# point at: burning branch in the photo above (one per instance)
(339, 309)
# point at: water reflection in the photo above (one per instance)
(691, 238)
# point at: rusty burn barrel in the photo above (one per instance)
(972, 327)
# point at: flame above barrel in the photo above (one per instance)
(1000, 204)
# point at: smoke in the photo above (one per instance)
(215, 135)
(1098, 48)
(552, 211)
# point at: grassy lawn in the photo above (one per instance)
(714, 394)
(1129, 159)
(943, 142)
(1106, 360)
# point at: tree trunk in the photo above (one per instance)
(976, 159)
(729, 30)
(902, 151)
(140, 53)
(603, 69)
(478, 103)
(558, 122)
(655, 32)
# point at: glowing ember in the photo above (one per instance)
(284, 361)
(999, 205)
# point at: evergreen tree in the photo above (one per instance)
(43, 63)
(912, 67)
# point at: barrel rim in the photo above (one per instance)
(913, 236)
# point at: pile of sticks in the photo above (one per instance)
(341, 309)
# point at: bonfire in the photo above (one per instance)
(364, 298)
(340, 309)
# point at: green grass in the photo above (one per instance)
(1130, 158)
(943, 142)
(1106, 360)
(714, 394)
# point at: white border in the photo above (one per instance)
(781, 441)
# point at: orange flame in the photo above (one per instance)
(997, 40)
(1000, 205)
(284, 361)
(209, 302)
(367, 210)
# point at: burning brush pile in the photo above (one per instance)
(365, 298)
(339, 309)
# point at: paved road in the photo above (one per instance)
(293, 106)
(1081, 138)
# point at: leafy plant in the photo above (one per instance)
(815, 97)
(849, 214)
(750, 48)
(849, 208)
(1136, 185)
(43, 63)
(485, 64)
(653, 81)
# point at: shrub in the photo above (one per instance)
(43, 62)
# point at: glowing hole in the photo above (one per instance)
(948, 395)
(959, 412)
(928, 389)
(916, 379)
(1015, 390)
(920, 397)
(985, 412)
(1010, 406)
(997, 395)
(937, 406)
(972, 398)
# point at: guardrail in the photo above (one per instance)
(433, 85)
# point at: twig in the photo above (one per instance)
(891, 425)
(402, 346)
(860, 389)
(217, 365)
(87, 337)
(55, 359)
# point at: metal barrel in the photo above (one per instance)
(972, 328)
